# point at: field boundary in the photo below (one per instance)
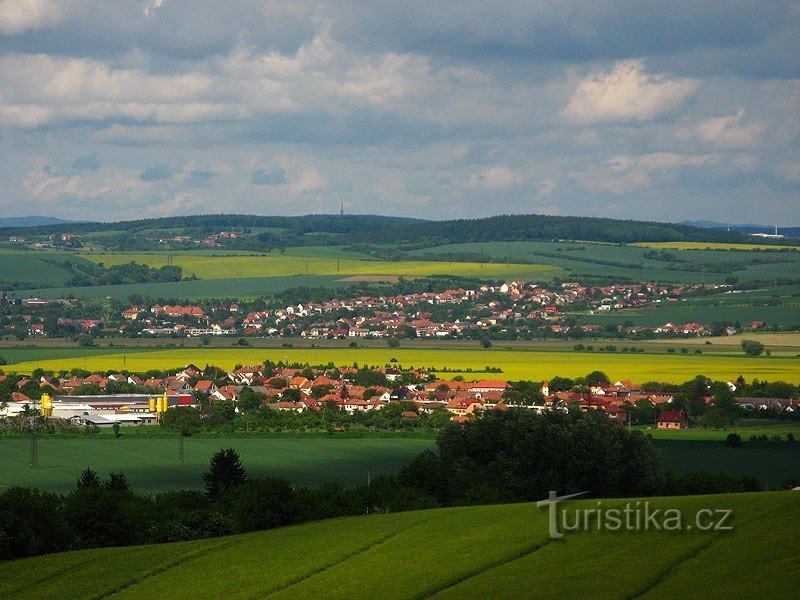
(526, 551)
(200, 553)
(694, 553)
(353, 554)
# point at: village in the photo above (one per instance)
(125, 399)
(514, 310)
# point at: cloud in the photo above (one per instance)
(87, 162)
(626, 94)
(17, 16)
(728, 132)
(199, 177)
(156, 173)
(47, 184)
(264, 177)
(624, 174)
(495, 178)
(151, 6)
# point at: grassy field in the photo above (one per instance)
(226, 267)
(589, 259)
(712, 246)
(151, 462)
(516, 364)
(474, 552)
(36, 268)
(241, 287)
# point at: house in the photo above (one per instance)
(672, 419)
(488, 385)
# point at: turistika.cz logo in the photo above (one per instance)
(636, 515)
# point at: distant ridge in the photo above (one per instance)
(33, 221)
(327, 229)
(745, 227)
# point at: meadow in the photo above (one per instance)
(713, 246)
(635, 262)
(501, 551)
(151, 461)
(240, 287)
(516, 364)
(32, 267)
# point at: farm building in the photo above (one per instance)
(672, 419)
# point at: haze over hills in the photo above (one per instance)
(33, 221)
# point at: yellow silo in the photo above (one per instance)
(47, 405)
(152, 405)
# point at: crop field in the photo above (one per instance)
(36, 268)
(712, 246)
(702, 313)
(467, 552)
(240, 287)
(151, 463)
(226, 267)
(516, 364)
(634, 262)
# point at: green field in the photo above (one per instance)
(712, 246)
(475, 552)
(241, 288)
(589, 259)
(151, 462)
(37, 267)
(516, 364)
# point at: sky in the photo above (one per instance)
(668, 111)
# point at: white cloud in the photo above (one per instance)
(729, 132)
(46, 184)
(626, 93)
(624, 174)
(151, 6)
(495, 178)
(17, 16)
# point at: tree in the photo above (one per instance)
(393, 342)
(263, 504)
(515, 455)
(88, 479)
(752, 347)
(597, 378)
(225, 473)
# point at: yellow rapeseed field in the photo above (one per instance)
(226, 267)
(516, 364)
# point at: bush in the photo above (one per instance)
(752, 347)
(734, 440)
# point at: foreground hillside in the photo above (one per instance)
(471, 552)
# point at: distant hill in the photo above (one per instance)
(32, 221)
(258, 232)
(747, 228)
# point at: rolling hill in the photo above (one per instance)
(467, 552)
